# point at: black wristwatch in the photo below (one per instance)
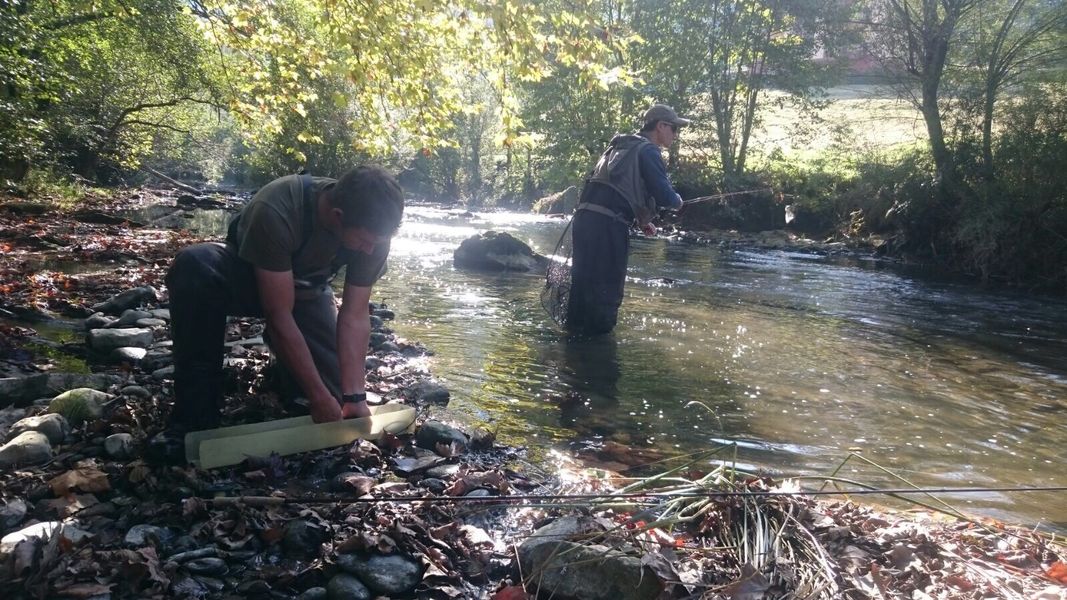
(357, 397)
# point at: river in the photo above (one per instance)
(795, 358)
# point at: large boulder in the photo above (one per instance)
(497, 251)
(562, 203)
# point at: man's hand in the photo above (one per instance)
(648, 229)
(324, 408)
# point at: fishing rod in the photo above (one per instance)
(724, 195)
(278, 501)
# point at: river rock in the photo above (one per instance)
(53, 426)
(157, 358)
(497, 251)
(378, 338)
(79, 404)
(303, 538)
(433, 433)
(135, 391)
(10, 416)
(384, 313)
(426, 390)
(164, 373)
(98, 321)
(376, 323)
(106, 340)
(373, 363)
(150, 323)
(570, 571)
(345, 587)
(443, 471)
(212, 567)
(145, 534)
(433, 485)
(20, 390)
(575, 571)
(389, 347)
(391, 574)
(316, 593)
(160, 313)
(42, 532)
(130, 318)
(127, 355)
(562, 203)
(28, 448)
(352, 483)
(129, 299)
(119, 445)
(12, 512)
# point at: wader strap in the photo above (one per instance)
(604, 211)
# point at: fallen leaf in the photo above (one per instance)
(512, 592)
(85, 479)
(1058, 571)
(85, 590)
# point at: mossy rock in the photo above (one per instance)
(79, 405)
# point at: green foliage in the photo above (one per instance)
(1016, 229)
(87, 83)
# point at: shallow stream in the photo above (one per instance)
(799, 359)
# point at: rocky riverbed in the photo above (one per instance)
(443, 513)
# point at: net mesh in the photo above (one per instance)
(556, 293)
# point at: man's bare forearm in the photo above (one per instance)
(353, 337)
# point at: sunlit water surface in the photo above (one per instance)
(797, 358)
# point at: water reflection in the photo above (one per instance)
(589, 369)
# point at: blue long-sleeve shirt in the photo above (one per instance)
(654, 174)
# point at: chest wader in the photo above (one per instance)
(601, 241)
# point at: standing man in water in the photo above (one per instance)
(281, 253)
(627, 186)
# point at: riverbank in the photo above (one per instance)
(342, 518)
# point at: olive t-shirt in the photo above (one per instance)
(271, 230)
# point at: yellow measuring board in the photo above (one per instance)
(231, 445)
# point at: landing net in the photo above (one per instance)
(557, 290)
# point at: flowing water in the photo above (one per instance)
(797, 359)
